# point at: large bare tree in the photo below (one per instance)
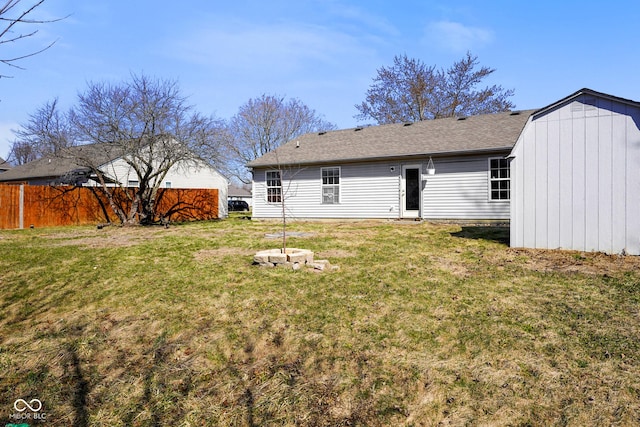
(125, 138)
(263, 124)
(410, 91)
(151, 128)
(11, 20)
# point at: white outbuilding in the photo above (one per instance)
(575, 176)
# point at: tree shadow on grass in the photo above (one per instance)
(498, 234)
(81, 389)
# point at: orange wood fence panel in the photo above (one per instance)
(47, 206)
(9, 206)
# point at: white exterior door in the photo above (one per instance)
(410, 191)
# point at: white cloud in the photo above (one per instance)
(264, 48)
(360, 18)
(458, 37)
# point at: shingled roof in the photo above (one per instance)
(57, 166)
(4, 165)
(430, 137)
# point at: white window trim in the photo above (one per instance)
(339, 185)
(266, 183)
(490, 180)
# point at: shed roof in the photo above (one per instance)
(485, 132)
(585, 91)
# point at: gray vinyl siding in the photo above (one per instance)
(458, 191)
(575, 179)
(366, 191)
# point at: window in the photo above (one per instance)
(499, 179)
(167, 184)
(274, 187)
(330, 185)
(133, 183)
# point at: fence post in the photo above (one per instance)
(21, 208)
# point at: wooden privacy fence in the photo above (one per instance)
(24, 206)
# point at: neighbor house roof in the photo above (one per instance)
(4, 165)
(238, 191)
(56, 166)
(485, 132)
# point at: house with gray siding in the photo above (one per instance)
(575, 176)
(445, 169)
(565, 176)
(69, 170)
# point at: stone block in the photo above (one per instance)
(300, 257)
(260, 258)
(278, 258)
(309, 257)
(292, 257)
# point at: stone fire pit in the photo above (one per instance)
(293, 257)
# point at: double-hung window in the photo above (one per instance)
(330, 185)
(499, 179)
(274, 187)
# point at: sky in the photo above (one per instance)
(323, 52)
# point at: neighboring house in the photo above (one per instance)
(239, 193)
(67, 170)
(382, 171)
(4, 165)
(565, 176)
(575, 176)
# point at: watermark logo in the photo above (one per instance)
(27, 411)
(21, 405)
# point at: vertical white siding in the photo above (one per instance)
(540, 207)
(632, 201)
(458, 190)
(619, 180)
(528, 187)
(578, 189)
(566, 178)
(575, 179)
(553, 184)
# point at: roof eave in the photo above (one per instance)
(388, 158)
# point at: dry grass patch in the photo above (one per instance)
(422, 325)
(214, 254)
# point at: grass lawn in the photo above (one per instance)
(421, 325)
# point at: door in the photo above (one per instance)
(410, 191)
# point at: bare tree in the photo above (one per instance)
(124, 139)
(148, 125)
(10, 20)
(410, 91)
(263, 124)
(47, 132)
